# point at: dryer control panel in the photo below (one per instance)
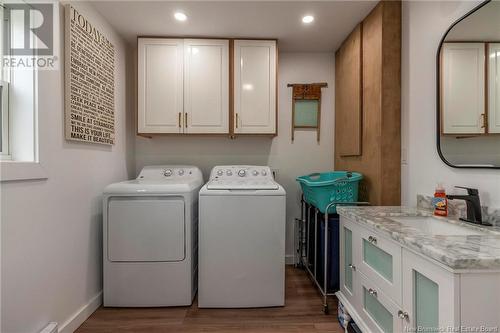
(244, 177)
(164, 172)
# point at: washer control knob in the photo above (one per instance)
(264, 173)
(255, 173)
(242, 173)
(181, 172)
(167, 172)
(220, 173)
(229, 173)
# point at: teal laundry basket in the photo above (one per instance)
(322, 188)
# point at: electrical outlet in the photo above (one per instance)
(404, 156)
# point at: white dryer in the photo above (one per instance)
(150, 228)
(242, 239)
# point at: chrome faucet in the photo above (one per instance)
(473, 203)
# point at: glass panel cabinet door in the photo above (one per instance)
(430, 295)
(348, 264)
(381, 262)
(379, 312)
(350, 253)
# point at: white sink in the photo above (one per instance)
(434, 226)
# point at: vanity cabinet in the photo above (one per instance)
(494, 88)
(463, 89)
(254, 87)
(388, 288)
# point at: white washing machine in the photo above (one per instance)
(242, 239)
(150, 233)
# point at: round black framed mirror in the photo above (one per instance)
(468, 90)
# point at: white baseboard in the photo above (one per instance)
(81, 315)
(289, 259)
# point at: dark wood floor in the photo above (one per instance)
(303, 313)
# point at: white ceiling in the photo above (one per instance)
(334, 20)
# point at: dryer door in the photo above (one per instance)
(146, 229)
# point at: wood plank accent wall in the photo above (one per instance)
(380, 159)
(348, 85)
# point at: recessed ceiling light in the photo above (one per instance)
(308, 19)
(179, 16)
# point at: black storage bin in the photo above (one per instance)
(310, 215)
(333, 267)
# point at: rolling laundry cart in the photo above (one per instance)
(317, 236)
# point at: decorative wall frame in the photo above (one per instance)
(306, 107)
(89, 81)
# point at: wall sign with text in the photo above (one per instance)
(90, 81)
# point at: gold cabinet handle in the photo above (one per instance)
(185, 120)
(236, 120)
(180, 119)
(484, 120)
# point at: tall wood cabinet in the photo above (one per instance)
(184, 86)
(368, 119)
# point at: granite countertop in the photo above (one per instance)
(457, 252)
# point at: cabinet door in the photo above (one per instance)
(348, 247)
(160, 88)
(381, 262)
(255, 86)
(463, 94)
(348, 95)
(494, 88)
(206, 86)
(430, 295)
(378, 311)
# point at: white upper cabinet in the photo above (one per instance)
(463, 90)
(494, 88)
(183, 86)
(206, 86)
(160, 85)
(254, 87)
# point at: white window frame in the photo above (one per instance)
(5, 153)
(14, 170)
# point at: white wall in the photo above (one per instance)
(303, 156)
(51, 229)
(424, 23)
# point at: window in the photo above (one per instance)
(18, 102)
(4, 94)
